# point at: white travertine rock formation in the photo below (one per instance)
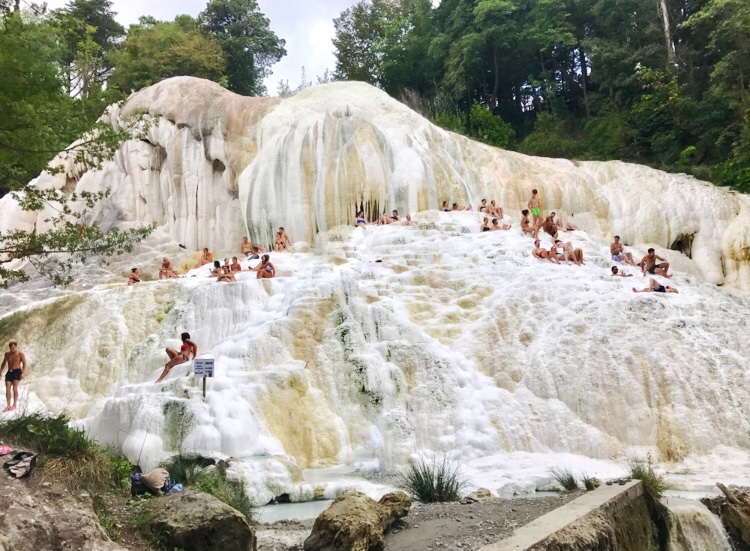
(217, 166)
(391, 341)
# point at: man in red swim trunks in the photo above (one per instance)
(16, 362)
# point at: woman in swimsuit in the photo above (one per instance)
(655, 287)
(187, 349)
(483, 206)
(361, 222)
(134, 278)
(235, 267)
(207, 258)
(526, 226)
(486, 225)
(265, 269)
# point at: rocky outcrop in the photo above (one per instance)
(733, 508)
(354, 522)
(195, 521)
(38, 516)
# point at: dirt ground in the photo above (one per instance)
(433, 527)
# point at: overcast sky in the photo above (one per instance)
(306, 25)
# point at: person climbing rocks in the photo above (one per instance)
(187, 349)
(15, 361)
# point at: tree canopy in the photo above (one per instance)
(249, 44)
(661, 82)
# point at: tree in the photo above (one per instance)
(155, 50)
(250, 46)
(39, 120)
(89, 32)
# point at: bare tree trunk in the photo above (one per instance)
(667, 34)
(584, 77)
(493, 98)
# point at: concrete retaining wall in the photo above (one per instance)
(610, 518)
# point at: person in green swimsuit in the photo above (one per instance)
(535, 206)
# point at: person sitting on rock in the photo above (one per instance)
(207, 258)
(246, 247)
(389, 219)
(618, 252)
(656, 287)
(235, 266)
(445, 207)
(167, 269)
(553, 251)
(283, 242)
(226, 267)
(616, 272)
(188, 349)
(526, 226)
(410, 222)
(361, 222)
(216, 270)
(134, 278)
(648, 264)
(483, 206)
(496, 211)
(456, 207)
(485, 225)
(265, 269)
(496, 225)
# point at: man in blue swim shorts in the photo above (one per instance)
(16, 363)
(619, 254)
(648, 264)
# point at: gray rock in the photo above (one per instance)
(354, 522)
(195, 521)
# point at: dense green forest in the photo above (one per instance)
(61, 69)
(660, 82)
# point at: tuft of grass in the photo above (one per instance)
(438, 480)
(66, 453)
(589, 482)
(653, 483)
(106, 520)
(564, 478)
(202, 475)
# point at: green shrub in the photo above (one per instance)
(197, 472)
(653, 483)
(438, 480)
(589, 482)
(66, 453)
(565, 478)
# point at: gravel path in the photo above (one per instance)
(433, 527)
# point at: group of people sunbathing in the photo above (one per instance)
(394, 218)
(225, 273)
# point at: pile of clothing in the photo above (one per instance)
(156, 481)
(20, 464)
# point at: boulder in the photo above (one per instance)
(733, 508)
(354, 522)
(195, 521)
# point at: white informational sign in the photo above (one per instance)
(203, 367)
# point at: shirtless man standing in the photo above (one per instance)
(535, 206)
(619, 254)
(16, 362)
(648, 264)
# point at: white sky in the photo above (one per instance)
(306, 25)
